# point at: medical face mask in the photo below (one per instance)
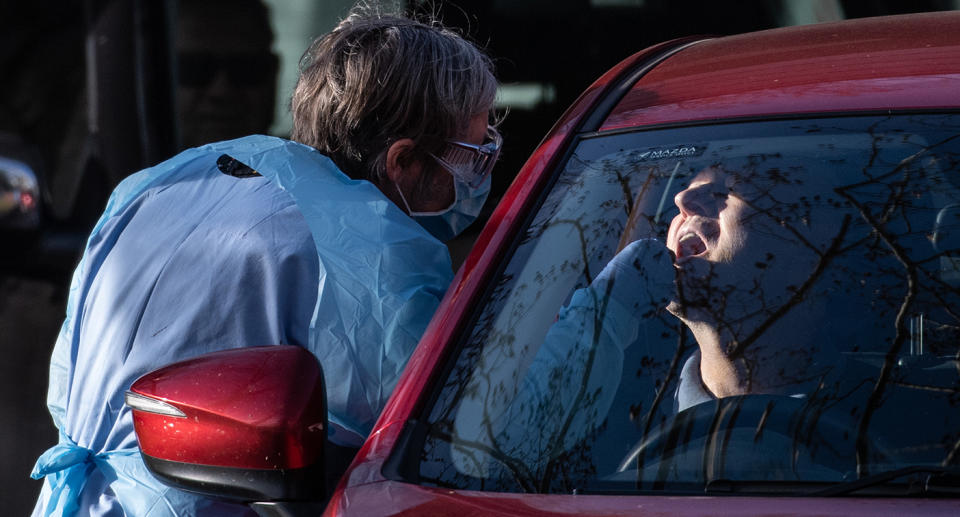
(470, 165)
(450, 222)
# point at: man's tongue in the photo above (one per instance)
(690, 246)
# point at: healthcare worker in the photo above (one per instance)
(331, 241)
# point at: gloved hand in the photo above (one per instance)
(640, 277)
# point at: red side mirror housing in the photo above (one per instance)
(247, 424)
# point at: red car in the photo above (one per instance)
(797, 354)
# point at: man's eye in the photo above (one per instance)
(733, 182)
(744, 187)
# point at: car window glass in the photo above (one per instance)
(832, 281)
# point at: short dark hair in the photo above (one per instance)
(377, 78)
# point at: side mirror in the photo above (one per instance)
(247, 424)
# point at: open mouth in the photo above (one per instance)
(690, 245)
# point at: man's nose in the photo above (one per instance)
(697, 200)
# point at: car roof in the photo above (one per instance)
(886, 63)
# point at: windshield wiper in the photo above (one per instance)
(760, 487)
(939, 480)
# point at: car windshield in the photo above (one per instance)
(804, 331)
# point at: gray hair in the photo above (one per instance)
(378, 78)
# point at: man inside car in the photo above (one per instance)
(779, 273)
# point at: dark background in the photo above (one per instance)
(85, 125)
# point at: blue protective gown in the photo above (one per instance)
(188, 260)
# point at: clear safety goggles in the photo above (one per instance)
(471, 163)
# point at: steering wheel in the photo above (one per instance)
(749, 437)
